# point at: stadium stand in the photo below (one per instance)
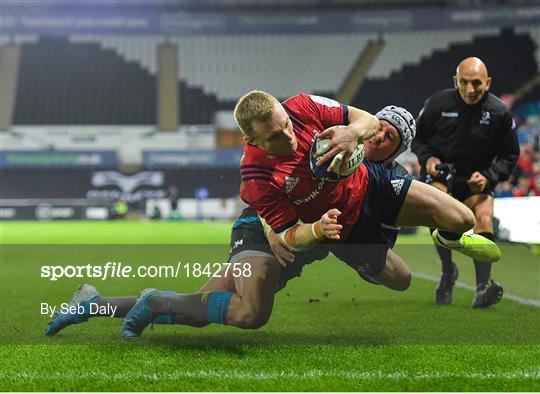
(534, 33)
(400, 51)
(221, 64)
(508, 54)
(97, 80)
(61, 83)
(83, 83)
(111, 79)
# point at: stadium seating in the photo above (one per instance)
(112, 79)
(230, 65)
(63, 82)
(409, 48)
(534, 33)
(509, 57)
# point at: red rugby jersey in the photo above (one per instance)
(282, 189)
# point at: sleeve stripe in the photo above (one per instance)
(345, 114)
(261, 172)
(249, 178)
(285, 226)
(256, 166)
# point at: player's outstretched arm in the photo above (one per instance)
(305, 235)
(362, 126)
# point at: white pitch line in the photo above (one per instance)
(518, 299)
(309, 374)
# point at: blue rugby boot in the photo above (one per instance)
(85, 295)
(140, 316)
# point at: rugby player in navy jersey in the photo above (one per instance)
(279, 139)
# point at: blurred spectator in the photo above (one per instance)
(119, 209)
(529, 131)
(172, 196)
(534, 183)
(156, 213)
(505, 189)
(522, 188)
(525, 161)
(526, 175)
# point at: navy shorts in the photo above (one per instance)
(374, 232)
(248, 240)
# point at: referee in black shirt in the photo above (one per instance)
(466, 143)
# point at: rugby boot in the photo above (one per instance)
(475, 246)
(444, 291)
(141, 315)
(82, 298)
(487, 294)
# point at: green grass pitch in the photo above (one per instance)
(357, 337)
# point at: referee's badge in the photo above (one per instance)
(485, 118)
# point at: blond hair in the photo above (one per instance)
(253, 106)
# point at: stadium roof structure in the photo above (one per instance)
(232, 5)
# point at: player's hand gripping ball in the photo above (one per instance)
(321, 171)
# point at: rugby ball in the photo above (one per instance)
(321, 172)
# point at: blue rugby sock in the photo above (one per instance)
(211, 306)
(218, 304)
(163, 319)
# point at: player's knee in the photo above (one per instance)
(403, 282)
(465, 219)
(252, 317)
(469, 220)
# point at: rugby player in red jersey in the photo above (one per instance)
(272, 264)
(279, 139)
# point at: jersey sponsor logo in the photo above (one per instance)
(485, 118)
(324, 101)
(311, 195)
(449, 114)
(290, 183)
(397, 184)
(238, 243)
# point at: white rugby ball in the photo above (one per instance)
(321, 172)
